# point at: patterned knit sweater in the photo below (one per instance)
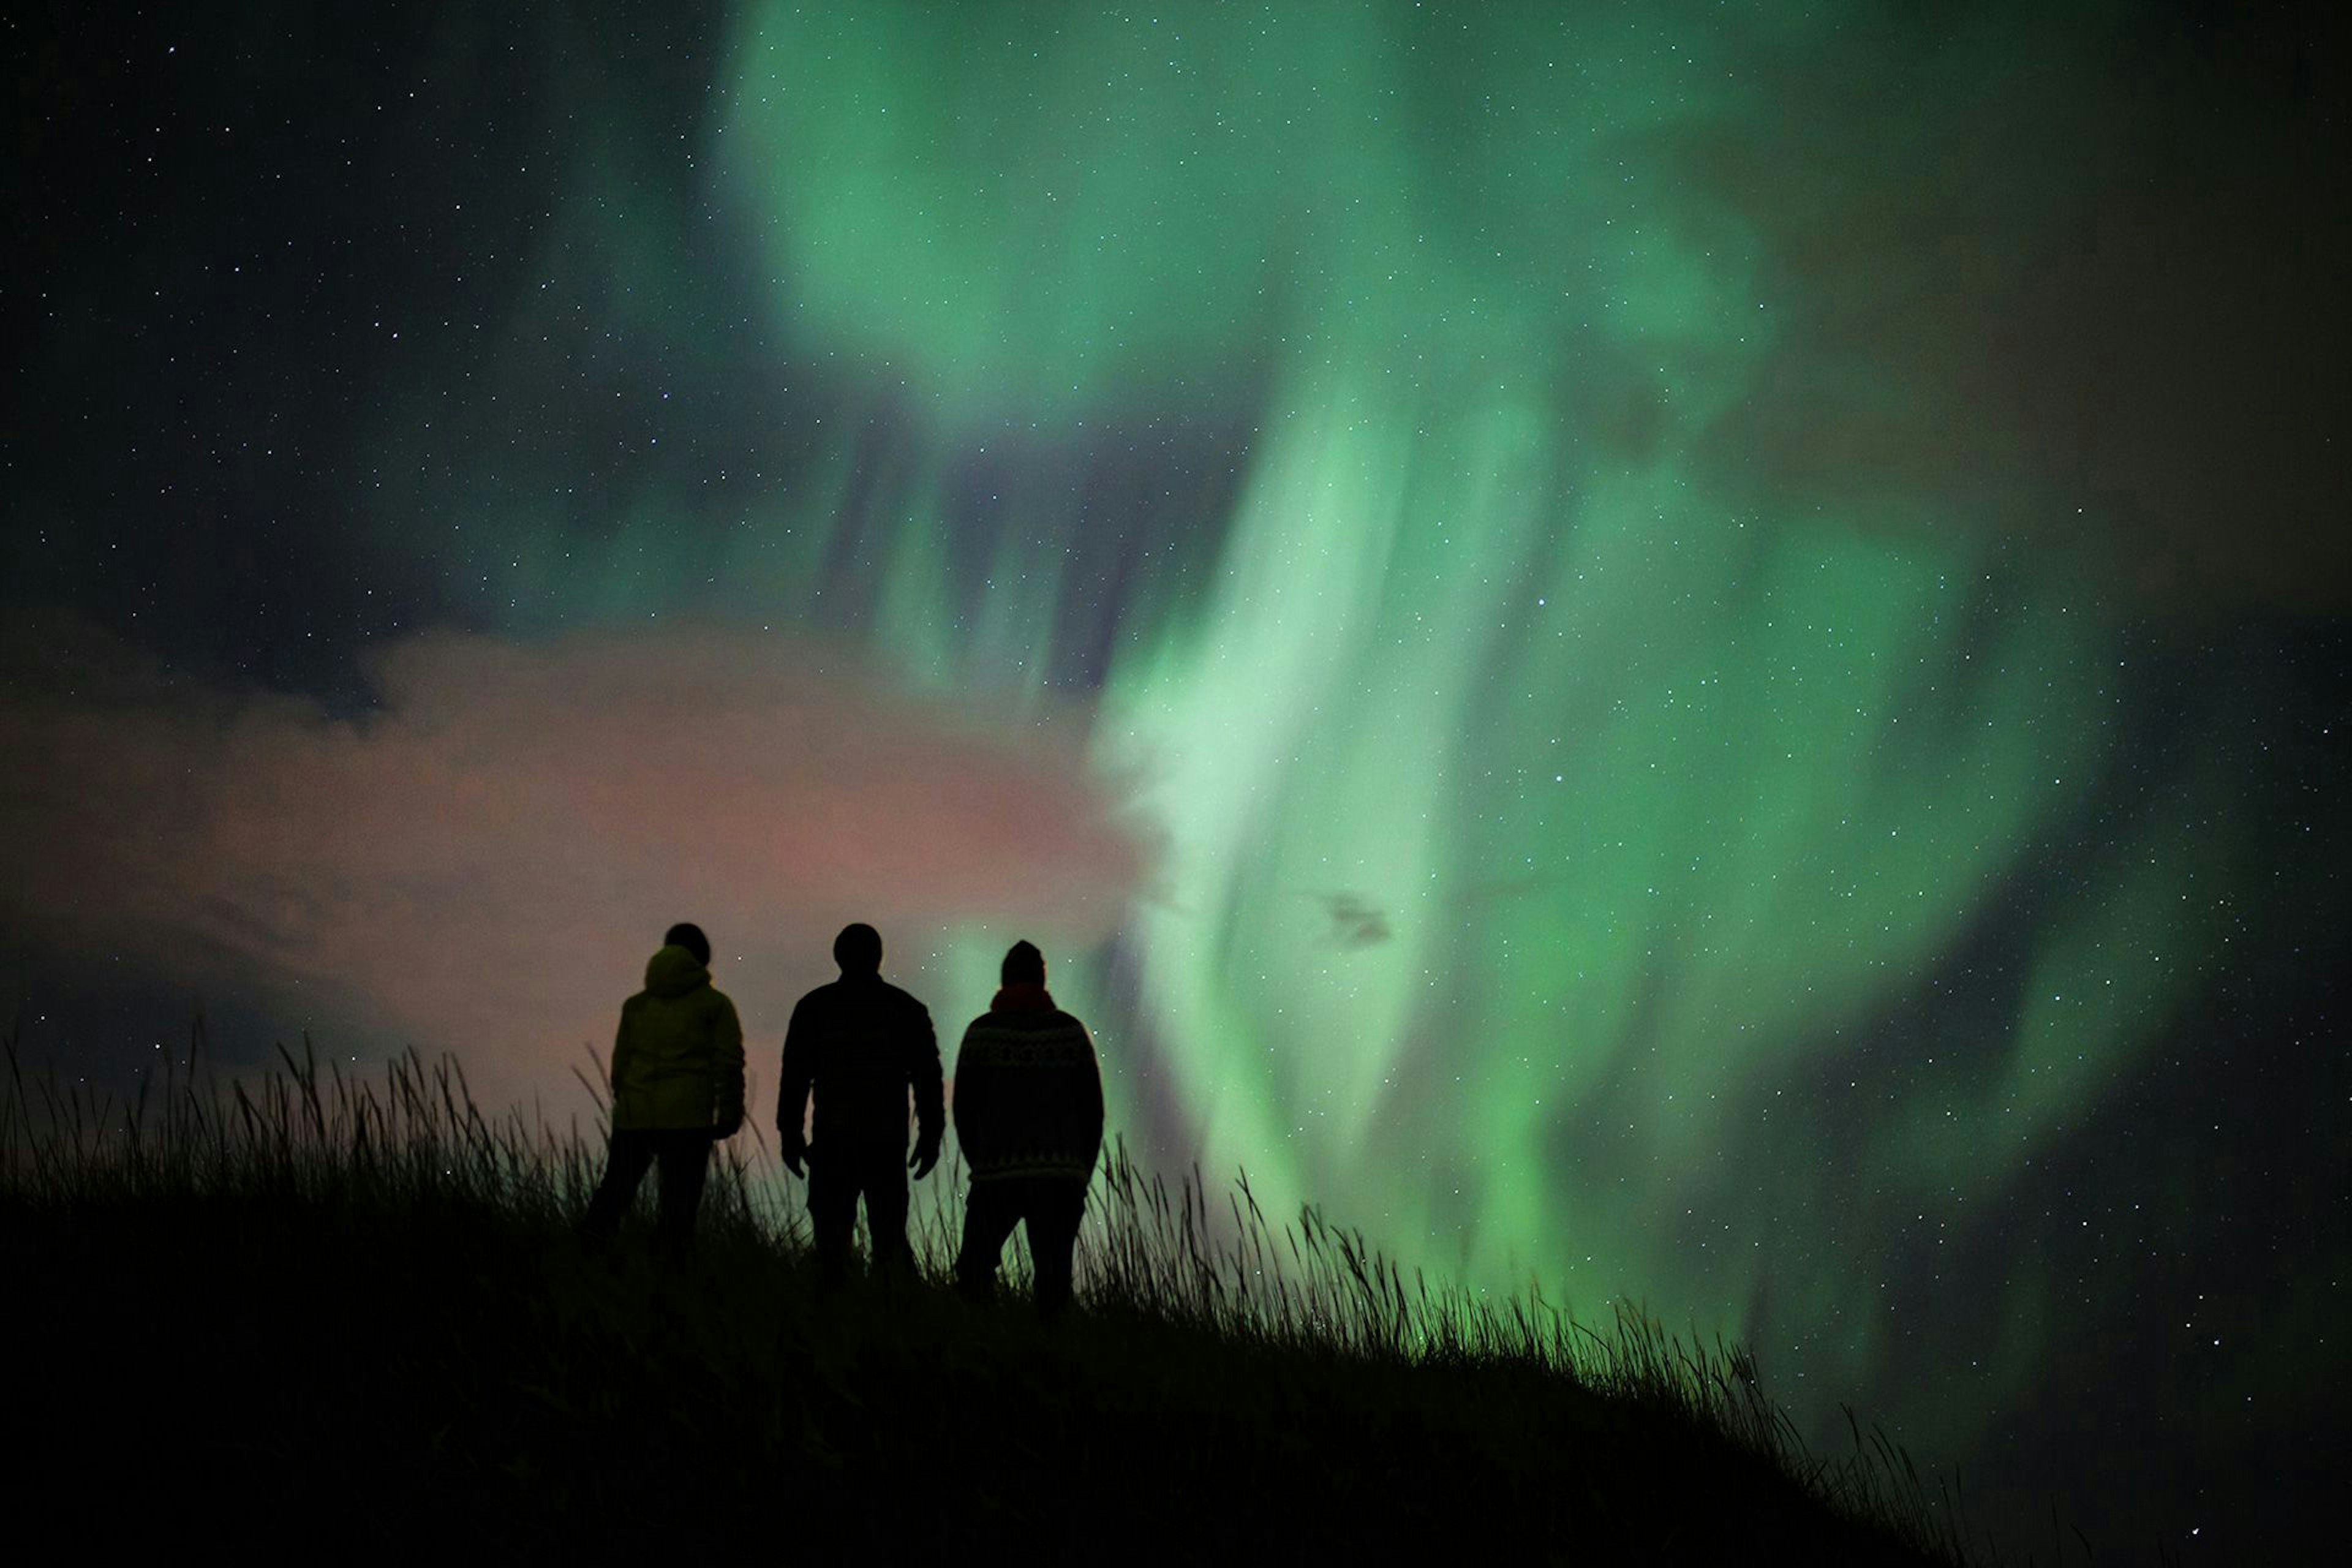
(1028, 1090)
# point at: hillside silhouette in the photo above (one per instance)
(302, 1313)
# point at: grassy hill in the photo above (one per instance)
(304, 1315)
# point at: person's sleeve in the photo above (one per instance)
(971, 1090)
(623, 1054)
(727, 1065)
(1091, 1097)
(931, 1092)
(793, 1081)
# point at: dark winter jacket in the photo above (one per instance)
(678, 1060)
(1028, 1090)
(860, 1045)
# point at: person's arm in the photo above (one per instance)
(973, 1113)
(727, 1069)
(624, 1058)
(931, 1093)
(792, 1090)
(1091, 1093)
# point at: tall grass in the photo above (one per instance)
(1159, 1264)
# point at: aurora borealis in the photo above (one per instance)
(1670, 653)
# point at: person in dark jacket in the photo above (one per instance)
(1029, 1115)
(859, 1046)
(678, 1087)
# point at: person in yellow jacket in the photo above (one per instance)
(678, 1087)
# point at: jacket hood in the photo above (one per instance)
(674, 972)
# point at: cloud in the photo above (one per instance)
(2080, 278)
(1355, 921)
(483, 862)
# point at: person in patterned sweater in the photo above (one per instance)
(1029, 1113)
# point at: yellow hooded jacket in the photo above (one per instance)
(677, 1061)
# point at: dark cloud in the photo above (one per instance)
(2081, 279)
(1355, 921)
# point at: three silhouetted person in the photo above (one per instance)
(678, 1087)
(1028, 1109)
(861, 1045)
(1029, 1115)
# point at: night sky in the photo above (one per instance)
(1694, 654)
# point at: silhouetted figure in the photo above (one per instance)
(860, 1045)
(1029, 1114)
(678, 1087)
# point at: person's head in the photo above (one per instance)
(858, 950)
(688, 935)
(1023, 966)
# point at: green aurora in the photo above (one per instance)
(1660, 799)
(1586, 853)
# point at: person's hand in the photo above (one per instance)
(793, 1147)
(926, 1155)
(727, 1128)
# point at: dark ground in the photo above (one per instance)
(292, 1379)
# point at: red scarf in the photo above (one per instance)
(1023, 996)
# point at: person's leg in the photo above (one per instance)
(833, 1212)
(685, 1166)
(1055, 1209)
(989, 1216)
(886, 1212)
(625, 1159)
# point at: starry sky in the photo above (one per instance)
(1693, 654)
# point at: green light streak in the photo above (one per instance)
(1664, 796)
(1662, 799)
